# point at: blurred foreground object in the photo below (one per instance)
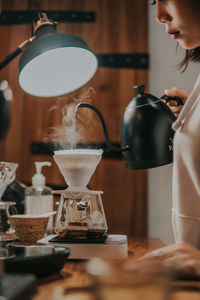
(112, 280)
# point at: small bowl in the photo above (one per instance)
(41, 260)
(30, 228)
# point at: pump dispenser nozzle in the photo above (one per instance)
(38, 179)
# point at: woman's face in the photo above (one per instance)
(181, 19)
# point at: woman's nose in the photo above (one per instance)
(162, 15)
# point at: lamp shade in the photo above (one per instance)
(55, 64)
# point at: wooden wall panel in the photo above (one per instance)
(120, 27)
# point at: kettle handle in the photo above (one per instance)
(84, 104)
(169, 98)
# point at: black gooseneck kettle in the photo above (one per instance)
(146, 130)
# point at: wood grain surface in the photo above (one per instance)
(120, 27)
(74, 282)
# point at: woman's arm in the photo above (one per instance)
(182, 257)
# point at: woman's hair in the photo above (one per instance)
(190, 55)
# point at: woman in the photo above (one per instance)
(182, 21)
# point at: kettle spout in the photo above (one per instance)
(108, 142)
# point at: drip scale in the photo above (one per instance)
(80, 221)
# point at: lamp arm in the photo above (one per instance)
(16, 52)
(110, 145)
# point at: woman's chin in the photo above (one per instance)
(188, 45)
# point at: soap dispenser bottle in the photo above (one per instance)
(39, 197)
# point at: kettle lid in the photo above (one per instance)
(142, 98)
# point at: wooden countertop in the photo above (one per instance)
(74, 277)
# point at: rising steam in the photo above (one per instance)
(73, 126)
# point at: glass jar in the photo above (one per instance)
(6, 232)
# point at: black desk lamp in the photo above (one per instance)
(52, 63)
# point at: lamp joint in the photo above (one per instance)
(23, 45)
(42, 21)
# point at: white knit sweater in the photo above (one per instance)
(186, 171)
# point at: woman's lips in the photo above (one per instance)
(174, 34)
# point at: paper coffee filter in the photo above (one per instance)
(77, 165)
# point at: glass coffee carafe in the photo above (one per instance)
(7, 175)
(6, 232)
(80, 213)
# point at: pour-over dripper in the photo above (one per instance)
(80, 213)
(77, 166)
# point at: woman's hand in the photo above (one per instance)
(175, 92)
(183, 258)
